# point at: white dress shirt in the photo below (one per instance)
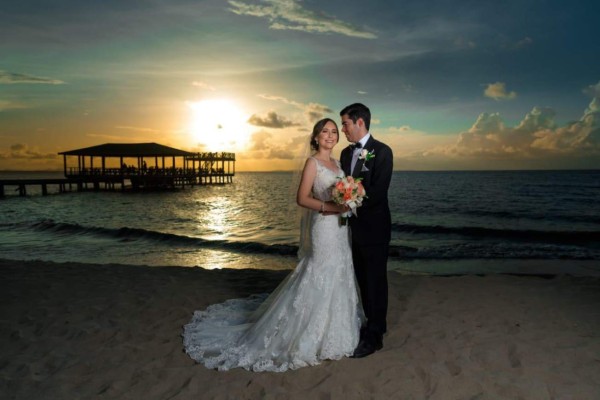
(357, 151)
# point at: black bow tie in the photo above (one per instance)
(356, 145)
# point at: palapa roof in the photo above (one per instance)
(128, 150)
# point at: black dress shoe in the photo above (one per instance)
(379, 344)
(366, 348)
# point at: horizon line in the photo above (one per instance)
(395, 170)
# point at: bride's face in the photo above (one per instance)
(328, 137)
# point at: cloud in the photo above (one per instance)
(312, 111)
(112, 138)
(593, 90)
(582, 136)
(463, 43)
(203, 85)
(536, 136)
(271, 120)
(8, 105)
(138, 129)
(290, 15)
(263, 146)
(281, 99)
(147, 130)
(497, 91)
(527, 41)
(407, 141)
(536, 142)
(140, 135)
(316, 111)
(23, 151)
(8, 78)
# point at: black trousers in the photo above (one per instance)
(370, 267)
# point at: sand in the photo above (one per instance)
(80, 331)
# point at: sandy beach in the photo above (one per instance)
(81, 331)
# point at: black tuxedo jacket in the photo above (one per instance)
(373, 223)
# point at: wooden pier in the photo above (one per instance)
(22, 184)
(150, 169)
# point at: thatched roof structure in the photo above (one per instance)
(185, 168)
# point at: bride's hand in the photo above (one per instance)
(333, 208)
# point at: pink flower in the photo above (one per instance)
(361, 190)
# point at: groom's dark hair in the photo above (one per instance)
(356, 111)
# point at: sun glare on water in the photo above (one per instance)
(218, 125)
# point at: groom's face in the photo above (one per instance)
(351, 129)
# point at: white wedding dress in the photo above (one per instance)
(313, 315)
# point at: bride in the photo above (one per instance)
(314, 314)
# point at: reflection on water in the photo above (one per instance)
(216, 219)
(134, 228)
(214, 259)
(217, 259)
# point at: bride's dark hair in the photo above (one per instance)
(317, 129)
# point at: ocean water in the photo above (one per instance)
(443, 222)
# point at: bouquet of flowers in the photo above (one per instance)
(348, 191)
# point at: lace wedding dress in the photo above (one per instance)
(313, 315)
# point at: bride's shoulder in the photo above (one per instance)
(311, 163)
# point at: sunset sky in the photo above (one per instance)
(451, 84)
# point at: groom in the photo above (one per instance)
(372, 161)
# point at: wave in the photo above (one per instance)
(134, 234)
(567, 187)
(529, 235)
(475, 249)
(508, 215)
(501, 250)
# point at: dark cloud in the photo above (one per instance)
(23, 151)
(312, 111)
(271, 120)
(12, 78)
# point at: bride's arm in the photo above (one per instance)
(304, 195)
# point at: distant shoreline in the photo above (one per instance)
(396, 170)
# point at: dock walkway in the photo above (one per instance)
(132, 180)
(21, 184)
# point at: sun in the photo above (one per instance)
(218, 125)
